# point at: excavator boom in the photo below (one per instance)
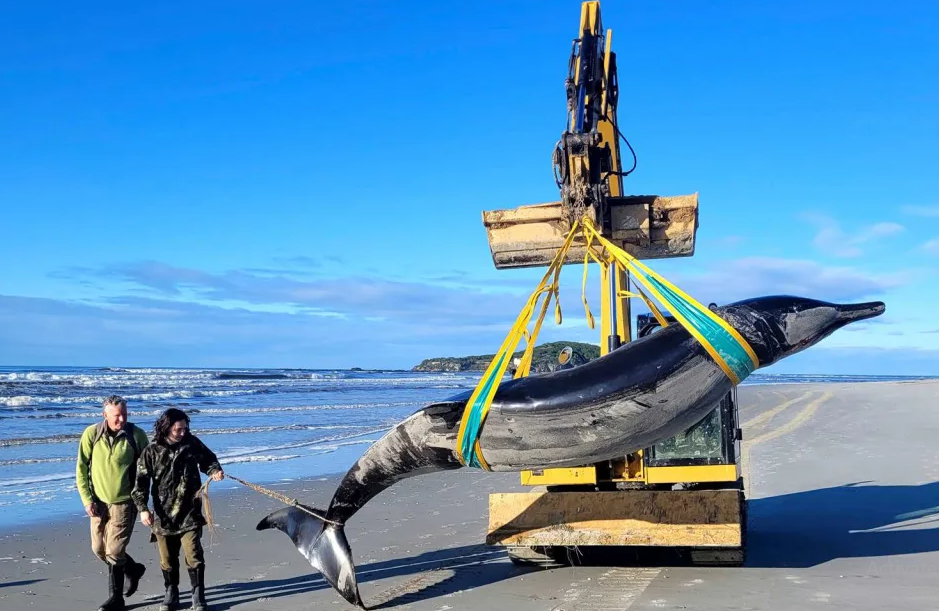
(588, 172)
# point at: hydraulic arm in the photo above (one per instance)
(586, 159)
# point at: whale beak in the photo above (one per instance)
(860, 311)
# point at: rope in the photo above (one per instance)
(204, 493)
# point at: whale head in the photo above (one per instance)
(782, 325)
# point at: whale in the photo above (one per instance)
(644, 392)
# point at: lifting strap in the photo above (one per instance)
(474, 414)
(722, 342)
(725, 345)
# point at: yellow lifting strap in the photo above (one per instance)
(477, 406)
(725, 345)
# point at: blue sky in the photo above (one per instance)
(300, 184)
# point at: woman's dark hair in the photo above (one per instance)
(161, 428)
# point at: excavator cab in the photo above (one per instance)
(715, 440)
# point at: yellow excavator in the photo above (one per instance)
(686, 493)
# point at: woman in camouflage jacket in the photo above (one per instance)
(169, 468)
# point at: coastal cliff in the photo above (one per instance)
(544, 359)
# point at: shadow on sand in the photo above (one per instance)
(22, 582)
(857, 520)
(805, 529)
(440, 573)
(802, 529)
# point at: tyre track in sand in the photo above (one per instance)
(804, 415)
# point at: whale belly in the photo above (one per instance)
(612, 425)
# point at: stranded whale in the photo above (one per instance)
(638, 395)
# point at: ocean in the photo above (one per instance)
(265, 425)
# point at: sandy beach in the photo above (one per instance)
(843, 482)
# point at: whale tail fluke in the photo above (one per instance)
(324, 545)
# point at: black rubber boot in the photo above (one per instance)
(116, 584)
(133, 571)
(171, 582)
(197, 579)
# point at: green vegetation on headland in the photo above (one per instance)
(544, 359)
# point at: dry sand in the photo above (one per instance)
(842, 481)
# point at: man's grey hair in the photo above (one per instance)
(115, 400)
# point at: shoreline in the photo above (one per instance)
(837, 518)
(227, 491)
(222, 493)
(66, 506)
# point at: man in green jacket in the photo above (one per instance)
(104, 474)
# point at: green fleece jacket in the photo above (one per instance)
(107, 472)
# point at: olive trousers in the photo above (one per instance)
(191, 544)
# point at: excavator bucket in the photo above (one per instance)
(645, 226)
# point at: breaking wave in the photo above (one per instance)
(74, 438)
(86, 414)
(258, 454)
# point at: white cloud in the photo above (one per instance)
(932, 246)
(152, 333)
(832, 239)
(929, 211)
(454, 301)
(756, 276)
(159, 313)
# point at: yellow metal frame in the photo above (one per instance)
(587, 475)
(553, 477)
(693, 474)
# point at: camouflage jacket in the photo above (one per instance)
(171, 473)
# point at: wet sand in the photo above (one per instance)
(843, 482)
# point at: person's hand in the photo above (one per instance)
(91, 509)
(218, 476)
(146, 518)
